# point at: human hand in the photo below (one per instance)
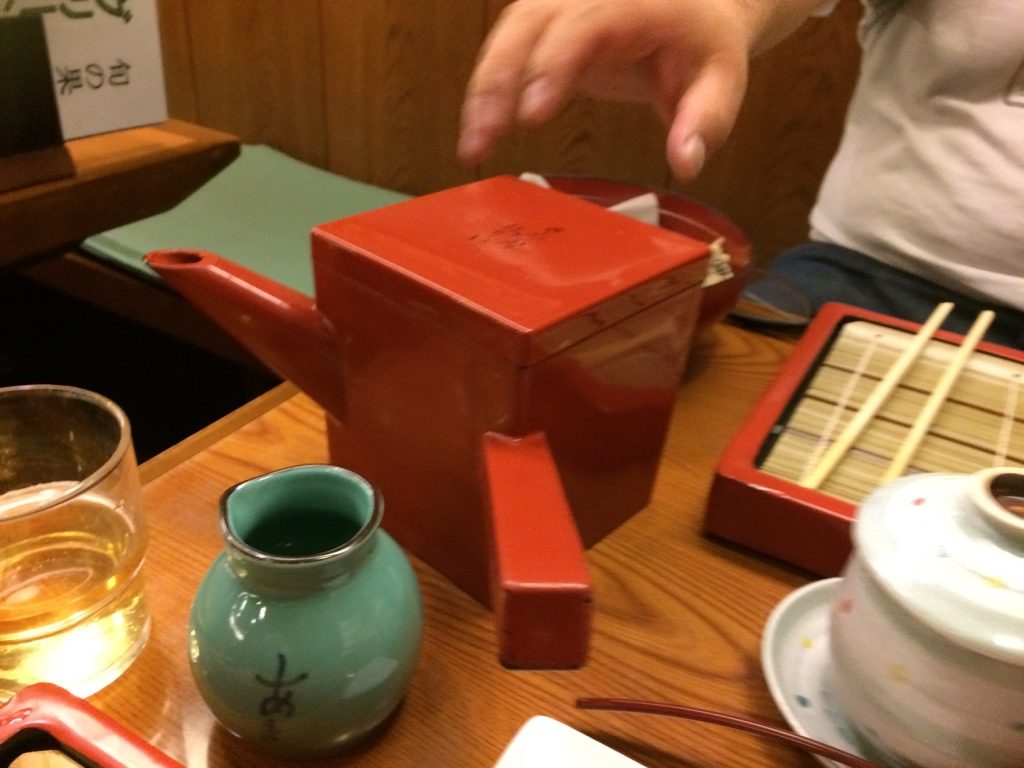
(687, 58)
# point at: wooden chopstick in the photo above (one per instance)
(815, 476)
(938, 396)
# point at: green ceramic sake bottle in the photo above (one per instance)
(305, 631)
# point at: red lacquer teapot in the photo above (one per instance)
(501, 361)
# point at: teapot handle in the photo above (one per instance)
(540, 585)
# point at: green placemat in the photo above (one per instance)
(257, 212)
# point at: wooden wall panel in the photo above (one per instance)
(394, 75)
(257, 66)
(588, 138)
(372, 89)
(177, 59)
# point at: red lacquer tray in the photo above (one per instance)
(46, 717)
(811, 528)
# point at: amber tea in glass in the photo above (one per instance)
(72, 540)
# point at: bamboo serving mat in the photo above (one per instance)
(980, 424)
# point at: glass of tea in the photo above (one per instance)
(72, 541)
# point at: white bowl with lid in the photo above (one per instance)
(927, 627)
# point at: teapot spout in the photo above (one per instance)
(280, 326)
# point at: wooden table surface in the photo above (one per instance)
(678, 617)
(119, 177)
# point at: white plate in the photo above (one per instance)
(547, 743)
(794, 657)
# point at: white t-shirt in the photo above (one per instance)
(929, 176)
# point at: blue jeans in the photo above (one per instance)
(825, 272)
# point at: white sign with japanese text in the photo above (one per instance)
(105, 62)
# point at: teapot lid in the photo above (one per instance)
(528, 271)
(950, 550)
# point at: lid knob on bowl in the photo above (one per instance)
(998, 493)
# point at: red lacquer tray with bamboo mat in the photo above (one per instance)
(956, 406)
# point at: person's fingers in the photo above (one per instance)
(542, 51)
(496, 86)
(568, 46)
(705, 114)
